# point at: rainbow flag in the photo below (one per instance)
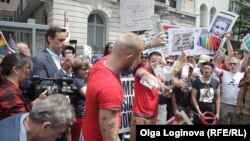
(183, 119)
(4, 47)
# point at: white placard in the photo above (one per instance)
(213, 39)
(179, 39)
(136, 15)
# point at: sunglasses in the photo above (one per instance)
(143, 57)
(190, 57)
(231, 64)
(169, 63)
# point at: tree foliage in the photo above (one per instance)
(242, 25)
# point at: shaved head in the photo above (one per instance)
(128, 43)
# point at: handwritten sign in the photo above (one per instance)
(136, 15)
(128, 87)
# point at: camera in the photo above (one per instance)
(62, 85)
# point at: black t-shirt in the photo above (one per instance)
(206, 93)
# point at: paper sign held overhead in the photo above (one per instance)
(136, 15)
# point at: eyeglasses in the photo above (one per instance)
(143, 57)
(26, 67)
(85, 69)
(169, 63)
(232, 64)
(171, 56)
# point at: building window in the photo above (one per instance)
(212, 13)
(203, 15)
(233, 6)
(162, 1)
(172, 3)
(96, 33)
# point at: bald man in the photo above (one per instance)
(23, 48)
(105, 93)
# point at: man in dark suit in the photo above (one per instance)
(50, 62)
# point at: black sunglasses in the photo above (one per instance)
(143, 57)
(170, 63)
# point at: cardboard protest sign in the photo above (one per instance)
(161, 49)
(136, 15)
(179, 39)
(213, 39)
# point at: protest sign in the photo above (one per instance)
(179, 39)
(213, 39)
(246, 42)
(128, 87)
(136, 15)
(161, 49)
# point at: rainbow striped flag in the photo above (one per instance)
(4, 47)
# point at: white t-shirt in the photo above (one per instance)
(229, 83)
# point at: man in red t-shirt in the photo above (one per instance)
(104, 97)
(145, 108)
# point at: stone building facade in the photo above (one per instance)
(95, 22)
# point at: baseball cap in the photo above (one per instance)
(204, 58)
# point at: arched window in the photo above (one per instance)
(212, 13)
(203, 15)
(96, 33)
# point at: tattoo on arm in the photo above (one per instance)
(104, 118)
(117, 137)
(111, 125)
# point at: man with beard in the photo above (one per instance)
(105, 92)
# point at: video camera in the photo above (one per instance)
(63, 85)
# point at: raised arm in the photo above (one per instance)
(229, 49)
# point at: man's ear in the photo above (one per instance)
(46, 125)
(129, 58)
(49, 38)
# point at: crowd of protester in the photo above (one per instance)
(216, 85)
